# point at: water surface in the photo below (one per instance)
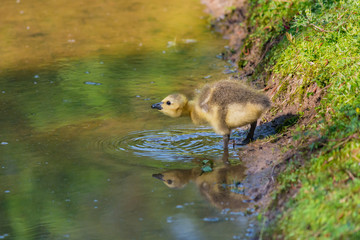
(79, 142)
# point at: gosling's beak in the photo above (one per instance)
(158, 176)
(157, 105)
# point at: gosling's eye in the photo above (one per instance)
(169, 181)
(168, 102)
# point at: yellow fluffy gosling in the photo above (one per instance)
(216, 186)
(225, 105)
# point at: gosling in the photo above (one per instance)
(225, 105)
(220, 186)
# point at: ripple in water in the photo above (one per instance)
(170, 145)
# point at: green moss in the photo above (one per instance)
(327, 203)
(319, 44)
(269, 18)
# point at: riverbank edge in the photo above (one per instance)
(288, 48)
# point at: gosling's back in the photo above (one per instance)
(228, 104)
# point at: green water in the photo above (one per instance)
(79, 142)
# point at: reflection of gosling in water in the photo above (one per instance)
(225, 105)
(221, 187)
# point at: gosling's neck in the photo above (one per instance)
(188, 109)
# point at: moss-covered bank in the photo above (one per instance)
(307, 54)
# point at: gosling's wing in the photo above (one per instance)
(204, 98)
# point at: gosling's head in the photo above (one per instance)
(172, 178)
(173, 105)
